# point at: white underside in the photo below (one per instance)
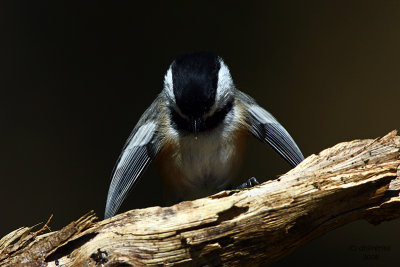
(207, 163)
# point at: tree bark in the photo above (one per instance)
(350, 181)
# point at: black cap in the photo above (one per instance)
(195, 79)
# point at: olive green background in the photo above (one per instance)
(75, 78)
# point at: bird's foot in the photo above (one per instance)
(250, 183)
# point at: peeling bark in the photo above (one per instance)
(350, 181)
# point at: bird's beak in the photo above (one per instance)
(195, 127)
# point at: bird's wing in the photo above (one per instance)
(139, 150)
(268, 130)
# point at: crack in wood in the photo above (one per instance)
(69, 247)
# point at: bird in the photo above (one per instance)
(195, 132)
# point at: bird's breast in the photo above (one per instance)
(193, 168)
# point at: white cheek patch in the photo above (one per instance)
(262, 115)
(225, 83)
(143, 135)
(168, 85)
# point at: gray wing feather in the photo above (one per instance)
(139, 150)
(268, 130)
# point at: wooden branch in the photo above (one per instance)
(350, 181)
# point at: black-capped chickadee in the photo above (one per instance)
(196, 131)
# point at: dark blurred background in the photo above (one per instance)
(75, 78)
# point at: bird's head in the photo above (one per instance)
(199, 90)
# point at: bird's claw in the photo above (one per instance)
(250, 183)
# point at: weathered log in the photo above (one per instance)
(350, 181)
